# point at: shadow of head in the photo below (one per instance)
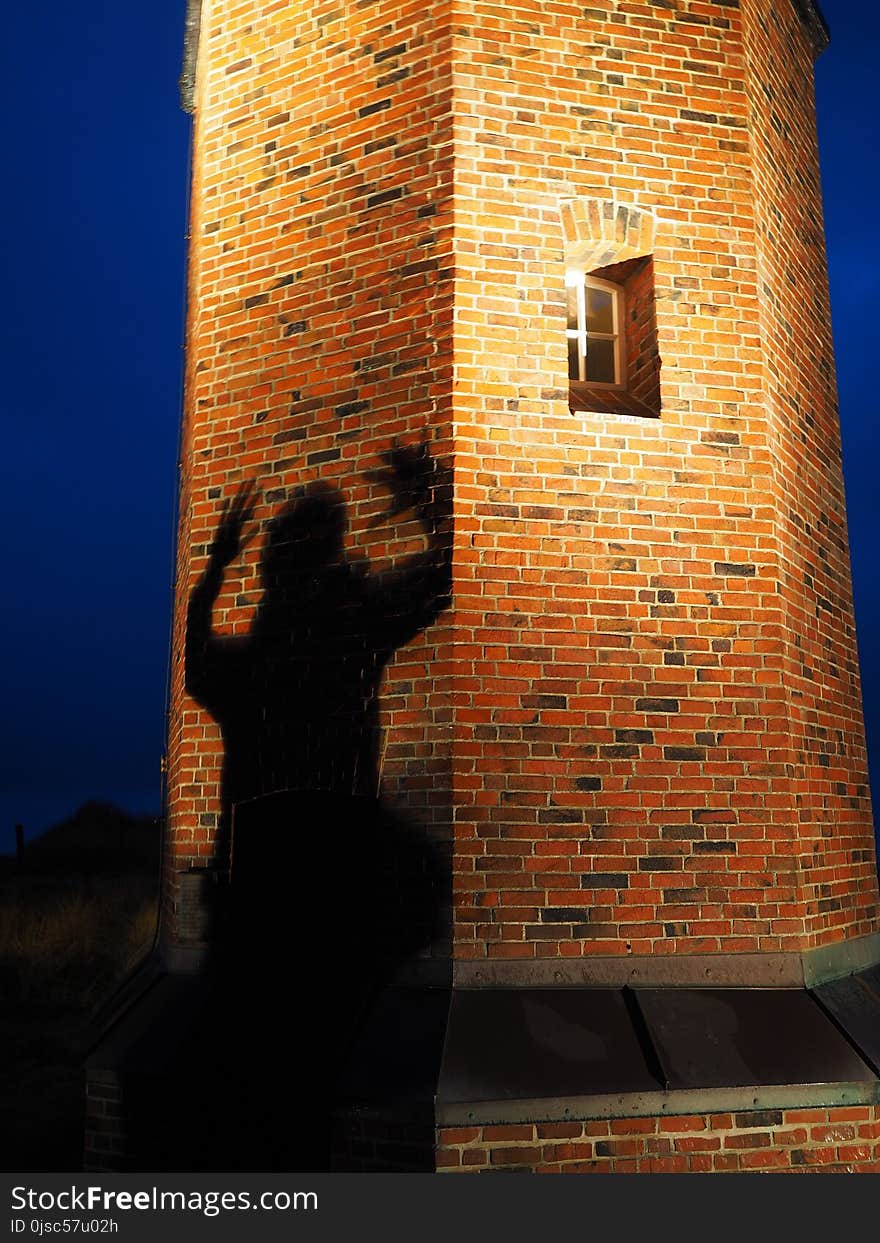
(305, 537)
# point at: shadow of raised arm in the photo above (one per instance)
(415, 592)
(203, 647)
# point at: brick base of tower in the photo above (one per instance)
(546, 1079)
(845, 1140)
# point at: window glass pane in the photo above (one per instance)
(571, 294)
(600, 361)
(573, 359)
(600, 313)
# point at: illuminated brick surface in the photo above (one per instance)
(641, 719)
(839, 1140)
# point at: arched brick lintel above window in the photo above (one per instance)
(597, 234)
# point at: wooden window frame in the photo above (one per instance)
(581, 281)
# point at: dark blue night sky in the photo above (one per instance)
(94, 221)
(94, 208)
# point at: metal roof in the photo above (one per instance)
(533, 1054)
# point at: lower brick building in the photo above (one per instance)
(760, 1141)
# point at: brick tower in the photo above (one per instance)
(572, 260)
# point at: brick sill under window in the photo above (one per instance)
(584, 398)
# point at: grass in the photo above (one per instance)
(73, 923)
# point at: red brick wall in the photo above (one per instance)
(104, 1134)
(319, 329)
(373, 1141)
(642, 354)
(643, 713)
(826, 748)
(624, 751)
(841, 1140)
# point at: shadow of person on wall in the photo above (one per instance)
(328, 890)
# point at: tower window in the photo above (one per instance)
(611, 334)
(595, 328)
